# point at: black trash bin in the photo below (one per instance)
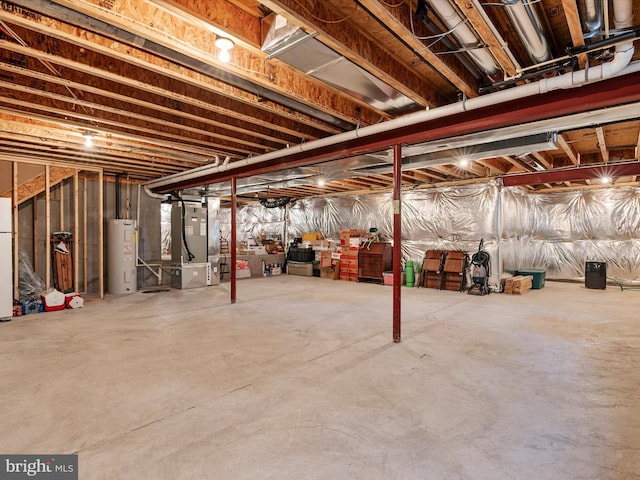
(595, 275)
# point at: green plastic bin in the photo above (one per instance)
(538, 277)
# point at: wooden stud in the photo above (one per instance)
(100, 235)
(602, 144)
(572, 15)
(568, 150)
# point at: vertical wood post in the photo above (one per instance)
(100, 235)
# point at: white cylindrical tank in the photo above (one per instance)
(122, 252)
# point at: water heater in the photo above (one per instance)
(122, 252)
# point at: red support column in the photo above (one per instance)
(397, 243)
(232, 247)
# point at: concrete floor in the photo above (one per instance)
(300, 380)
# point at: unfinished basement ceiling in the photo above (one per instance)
(144, 80)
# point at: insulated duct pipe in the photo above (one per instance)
(618, 66)
(592, 16)
(526, 22)
(464, 35)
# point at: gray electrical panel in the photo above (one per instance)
(194, 233)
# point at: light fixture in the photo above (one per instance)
(88, 139)
(605, 180)
(431, 154)
(464, 162)
(321, 182)
(224, 44)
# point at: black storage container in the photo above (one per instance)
(595, 275)
(297, 254)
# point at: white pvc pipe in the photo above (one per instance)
(618, 66)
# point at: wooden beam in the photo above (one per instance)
(602, 144)
(573, 155)
(213, 113)
(543, 158)
(100, 235)
(125, 119)
(102, 57)
(220, 17)
(572, 15)
(399, 21)
(349, 41)
(171, 31)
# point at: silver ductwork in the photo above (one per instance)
(465, 35)
(527, 24)
(592, 16)
(293, 46)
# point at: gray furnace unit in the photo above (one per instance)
(188, 244)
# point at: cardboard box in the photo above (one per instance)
(310, 237)
(325, 259)
(330, 273)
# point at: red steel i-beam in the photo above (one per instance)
(397, 244)
(232, 247)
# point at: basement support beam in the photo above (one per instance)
(397, 241)
(47, 236)
(100, 235)
(85, 258)
(76, 227)
(232, 247)
(16, 232)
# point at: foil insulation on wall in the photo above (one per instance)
(557, 232)
(561, 231)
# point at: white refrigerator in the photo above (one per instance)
(6, 260)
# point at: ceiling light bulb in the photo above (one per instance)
(224, 56)
(88, 140)
(606, 180)
(464, 163)
(224, 43)
(321, 182)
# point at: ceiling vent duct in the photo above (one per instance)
(527, 24)
(464, 35)
(592, 15)
(293, 46)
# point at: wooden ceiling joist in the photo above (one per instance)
(197, 42)
(354, 46)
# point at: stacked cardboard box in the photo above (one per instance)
(518, 285)
(349, 264)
